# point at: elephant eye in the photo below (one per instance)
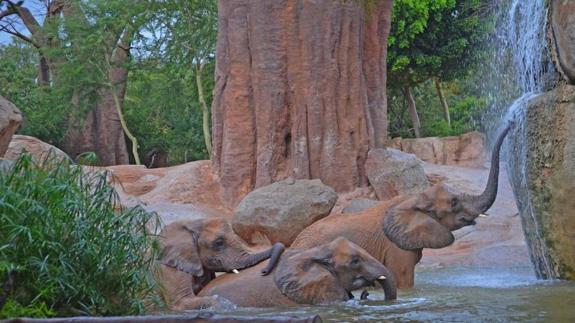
(454, 203)
(354, 261)
(218, 243)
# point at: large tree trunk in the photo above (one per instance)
(300, 91)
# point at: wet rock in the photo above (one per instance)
(467, 150)
(392, 173)
(280, 211)
(562, 25)
(10, 120)
(39, 150)
(543, 176)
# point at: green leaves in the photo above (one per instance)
(75, 249)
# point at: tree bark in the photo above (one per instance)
(412, 111)
(300, 91)
(446, 115)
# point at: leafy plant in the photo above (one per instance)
(76, 251)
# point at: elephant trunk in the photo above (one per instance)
(389, 286)
(277, 250)
(483, 202)
(253, 259)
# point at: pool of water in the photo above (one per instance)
(459, 294)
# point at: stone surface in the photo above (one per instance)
(358, 205)
(10, 120)
(186, 191)
(563, 36)
(543, 178)
(281, 210)
(495, 241)
(300, 92)
(467, 150)
(392, 173)
(35, 147)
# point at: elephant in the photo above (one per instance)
(191, 251)
(321, 275)
(396, 231)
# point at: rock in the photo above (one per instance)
(358, 205)
(34, 146)
(10, 120)
(543, 177)
(305, 97)
(467, 150)
(392, 173)
(5, 165)
(563, 37)
(187, 191)
(280, 211)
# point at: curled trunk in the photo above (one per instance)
(484, 201)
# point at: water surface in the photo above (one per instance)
(461, 294)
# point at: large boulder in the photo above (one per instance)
(187, 191)
(280, 211)
(392, 172)
(467, 150)
(37, 148)
(543, 177)
(563, 37)
(10, 120)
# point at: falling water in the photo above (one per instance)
(521, 69)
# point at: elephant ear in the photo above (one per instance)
(179, 247)
(305, 278)
(410, 226)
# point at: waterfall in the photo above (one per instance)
(521, 68)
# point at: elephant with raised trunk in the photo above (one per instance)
(396, 231)
(191, 251)
(321, 275)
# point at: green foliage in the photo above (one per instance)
(434, 39)
(173, 125)
(43, 109)
(75, 252)
(466, 107)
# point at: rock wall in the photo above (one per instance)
(562, 32)
(300, 92)
(543, 179)
(10, 120)
(467, 150)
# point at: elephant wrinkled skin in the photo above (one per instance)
(396, 231)
(320, 275)
(193, 250)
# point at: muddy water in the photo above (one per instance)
(455, 295)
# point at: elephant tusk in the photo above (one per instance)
(483, 215)
(235, 271)
(382, 277)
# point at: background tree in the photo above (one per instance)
(84, 54)
(436, 40)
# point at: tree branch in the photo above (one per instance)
(19, 35)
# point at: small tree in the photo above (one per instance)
(433, 40)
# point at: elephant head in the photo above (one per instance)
(201, 247)
(427, 219)
(328, 273)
